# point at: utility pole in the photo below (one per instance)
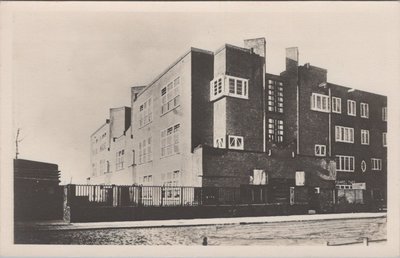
(16, 143)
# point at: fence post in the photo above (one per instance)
(140, 203)
(181, 195)
(162, 198)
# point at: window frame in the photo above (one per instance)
(146, 113)
(365, 140)
(364, 110)
(376, 164)
(384, 139)
(324, 99)
(171, 95)
(384, 114)
(275, 93)
(336, 105)
(341, 137)
(174, 144)
(351, 107)
(119, 161)
(236, 139)
(320, 147)
(348, 161)
(221, 86)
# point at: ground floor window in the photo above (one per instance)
(236, 142)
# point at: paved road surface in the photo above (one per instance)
(277, 233)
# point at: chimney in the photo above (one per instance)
(292, 58)
(256, 46)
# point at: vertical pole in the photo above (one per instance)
(181, 196)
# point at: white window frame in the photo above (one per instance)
(376, 164)
(220, 143)
(363, 166)
(351, 107)
(275, 96)
(364, 110)
(344, 134)
(364, 137)
(320, 102)
(170, 140)
(170, 98)
(146, 112)
(384, 114)
(320, 150)
(345, 163)
(336, 105)
(235, 142)
(220, 86)
(275, 130)
(384, 139)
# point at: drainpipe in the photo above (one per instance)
(298, 112)
(330, 124)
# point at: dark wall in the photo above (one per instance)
(202, 108)
(244, 116)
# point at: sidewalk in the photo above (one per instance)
(60, 225)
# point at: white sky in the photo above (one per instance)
(72, 63)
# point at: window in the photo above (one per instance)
(170, 141)
(235, 142)
(119, 160)
(219, 142)
(170, 96)
(384, 142)
(376, 164)
(364, 137)
(351, 108)
(345, 163)
(102, 166)
(145, 153)
(275, 96)
(384, 114)
(363, 166)
(320, 102)
(300, 178)
(364, 110)
(145, 113)
(344, 134)
(229, 86)
(275, 130)
(320, 150)
(336, 105)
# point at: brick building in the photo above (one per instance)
(218, 119)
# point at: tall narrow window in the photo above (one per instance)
(170, 141)
(364, 110)
(351, 108)
(364, 137)
(275, 96)
(336, 105)
(275, 130)
(384, 114)
(119, 160)
(384, 142)
(145, 151)
(170, 96)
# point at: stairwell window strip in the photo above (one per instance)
(364, 110)
(275, 130)
(170, 96)
(384, 114)
(345, 163)
(364, 137)
(351, 108)
(384, 142)
(320, 102)
(235, 142)
(226, 85)
(336, 105)
(170, 141)
(275, 96)
(376, 164)
(145, 113)
(320, 150)
(344, 134)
